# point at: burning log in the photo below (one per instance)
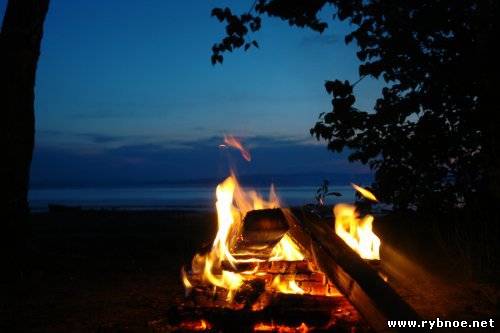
(245, 297)
(306, 279)
(287, 277)
(261, 230)
(282, 311)
(274, 269)
(356, 279)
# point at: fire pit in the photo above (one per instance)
(266, 271)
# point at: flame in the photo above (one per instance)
(303, 328)
(356, 232)
(235, 143)
(287, 250)
(287, 286)
(185, 281)
(265, 327)
(196, 325)
(232, 204)
(364, 192)
(204, 325)
(225, 218)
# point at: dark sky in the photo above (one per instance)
(125, 89)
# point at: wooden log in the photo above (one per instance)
(285, 267)
(332, 313)
(312, 283)
(375, 300)
(261, 231)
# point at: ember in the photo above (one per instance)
(195, 325)
(262, 327)
(231, 141)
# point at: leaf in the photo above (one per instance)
(329, 86)
(216, 58)
(218, 13)
(348, 38)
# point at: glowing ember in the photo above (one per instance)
(196, 325)
(235, 143)
(264, 327)
(355, 231)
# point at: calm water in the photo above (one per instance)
(198, 198)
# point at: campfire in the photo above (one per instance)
(276, 269)
(256, 277)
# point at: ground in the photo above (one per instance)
(102, 271)
(105, 271)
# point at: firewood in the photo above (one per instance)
(248, 294)
(261, 230)
(284, 267)
(288, 310)
(358, 281)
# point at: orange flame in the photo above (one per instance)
(235, 143)
(264, 327)
(287, 250)
(185, 281)
(196, 325)
(364, 192)
(287, 286)
(355, 231)
(232, 204)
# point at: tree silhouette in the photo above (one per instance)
(20, 39)
(431, 138)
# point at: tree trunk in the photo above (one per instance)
(20, 39)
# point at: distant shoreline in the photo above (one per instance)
(123, 208)
(260, 180)
(194, 198)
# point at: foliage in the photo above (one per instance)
(431, 137)
(323, 191)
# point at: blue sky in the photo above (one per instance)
(135, 76)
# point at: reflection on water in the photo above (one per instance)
(196, 198)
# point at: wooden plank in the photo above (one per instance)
(375, 300)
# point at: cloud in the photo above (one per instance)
(182, 161)
(102, 138)
(81, 139)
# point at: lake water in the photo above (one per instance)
(179, 198)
